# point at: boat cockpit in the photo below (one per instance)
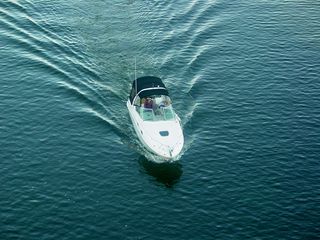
(154, 108)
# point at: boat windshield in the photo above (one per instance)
(156, 108)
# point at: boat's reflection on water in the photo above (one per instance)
(164, 173)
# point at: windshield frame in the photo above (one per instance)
(155, 108)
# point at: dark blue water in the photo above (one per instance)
(244, 77)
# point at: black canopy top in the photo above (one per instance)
(146, 82)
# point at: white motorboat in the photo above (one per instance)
(157, 125)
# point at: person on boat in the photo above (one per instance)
(148, 103)
(143, 100)
(164, 103)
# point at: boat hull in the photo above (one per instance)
(162, 138)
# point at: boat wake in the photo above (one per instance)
(94, 77)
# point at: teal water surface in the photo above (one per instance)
(243, 77)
